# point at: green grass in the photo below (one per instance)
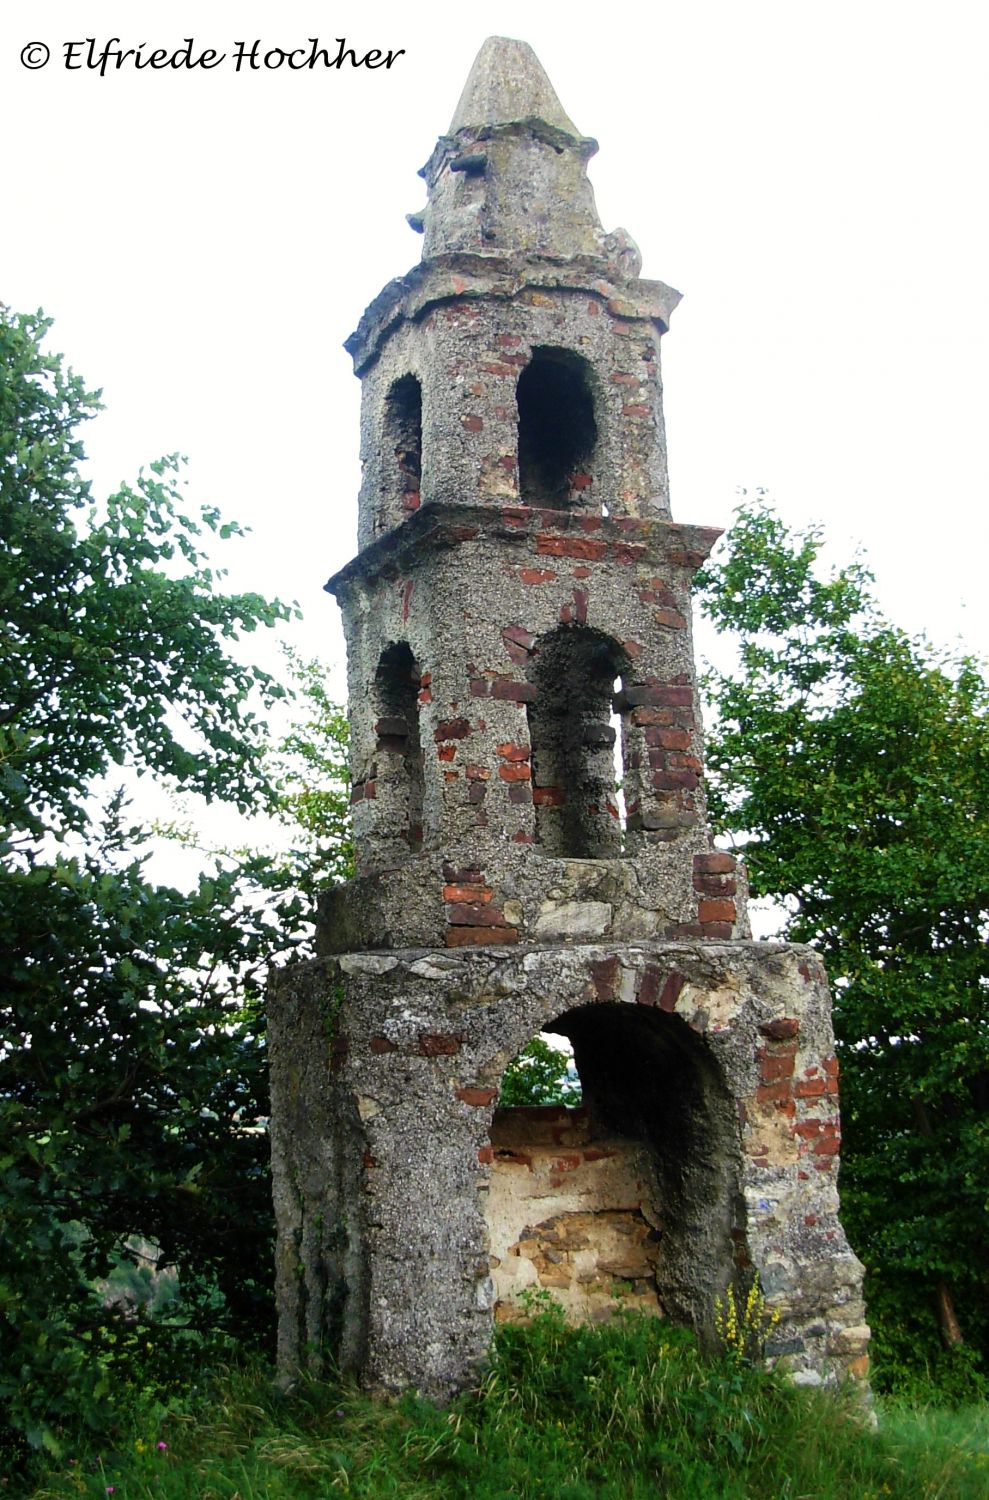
(624, 1412)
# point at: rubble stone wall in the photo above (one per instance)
(385, 1070)
(572, 1211)
(466, 336)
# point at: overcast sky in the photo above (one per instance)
(812, 177)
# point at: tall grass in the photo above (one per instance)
(622, 1412)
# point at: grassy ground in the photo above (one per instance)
(619, 1413)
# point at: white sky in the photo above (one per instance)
(811, 176)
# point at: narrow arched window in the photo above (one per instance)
(573, 744)
(557, 430)
(398, 749)
(403, 444)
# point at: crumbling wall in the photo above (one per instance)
(383, 1151)
(572, 1210)
(517, 557)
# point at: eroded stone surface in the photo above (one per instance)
(383, 1148)
(572, 1210)
(518, 615)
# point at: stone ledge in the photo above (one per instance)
(500, 276)
(652, 896)
(440, 524)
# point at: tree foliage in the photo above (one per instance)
(312, 776)
(541, 1074)
(850, 763)
(131, 1040)
(114, 633)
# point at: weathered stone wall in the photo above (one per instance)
(518, 580)
(717, 1057)
(476, 627)
(572, 1210)
(477, 632)
(466, 333)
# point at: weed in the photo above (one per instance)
(625, 1411)
(743, 1331)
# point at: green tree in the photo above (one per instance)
(312, 776)
(849, 763)
(131, 1052)
(541, 1074)
(307, 844)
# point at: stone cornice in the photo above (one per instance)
(441, 525)
(450, 277)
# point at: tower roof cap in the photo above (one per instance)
(507, 84)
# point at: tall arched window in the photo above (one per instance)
(403, 446)
(557, 430)
(573, 743)
(398, 749)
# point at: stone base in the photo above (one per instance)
(712, 1063)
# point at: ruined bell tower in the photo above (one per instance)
(518, 611)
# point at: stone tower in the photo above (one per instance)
(519, 598)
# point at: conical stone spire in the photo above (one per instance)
(507, 85)
(510, 177)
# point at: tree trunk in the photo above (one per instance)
(944, 1307)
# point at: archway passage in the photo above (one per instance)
(631, 1198)
(557, 430)
(573, 743)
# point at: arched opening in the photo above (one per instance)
(403, 444)
(557, 430)
(573, 743)
(631, 1198)
(398, 749)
